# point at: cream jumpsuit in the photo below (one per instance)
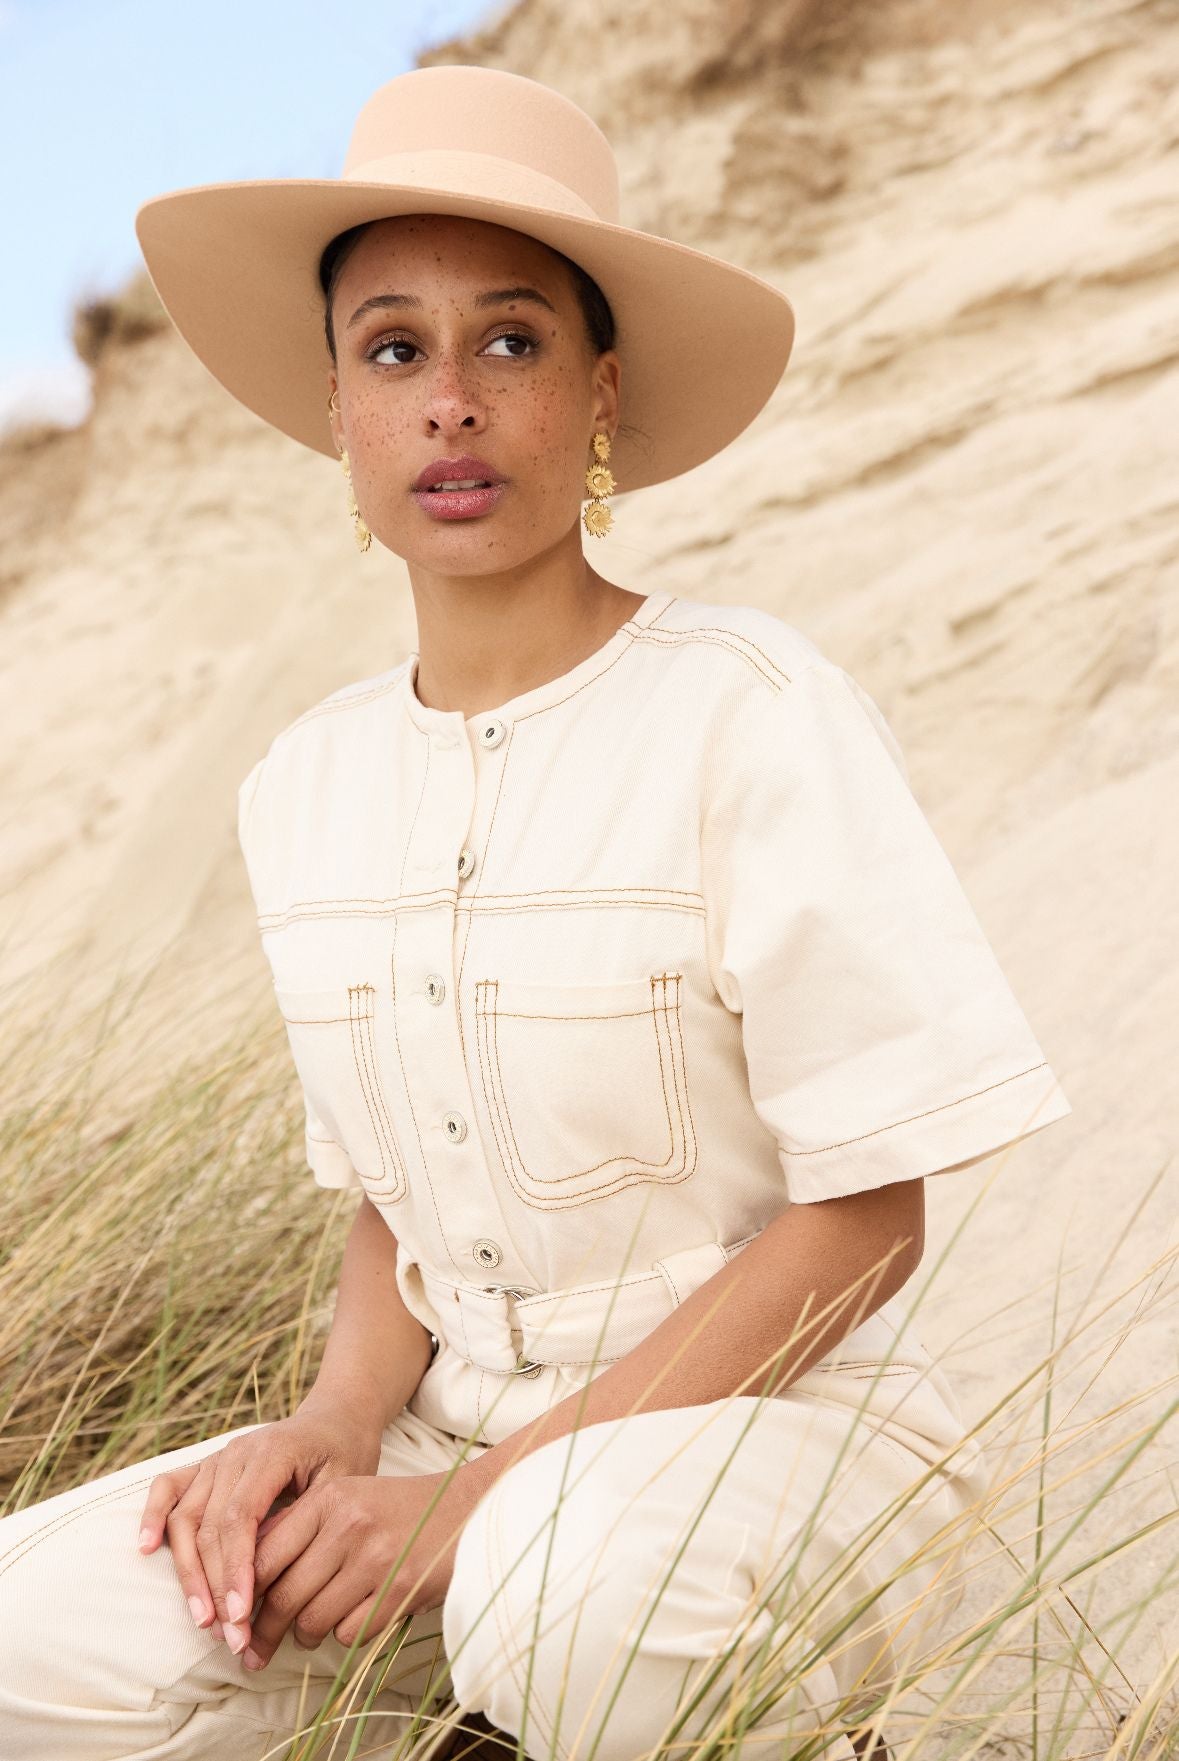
(583, 991)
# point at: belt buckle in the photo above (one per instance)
(523, 1366)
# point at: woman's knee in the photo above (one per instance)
(572, 1591)
(85, 1616)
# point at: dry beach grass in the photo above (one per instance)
(167, 1274)
(964, 491)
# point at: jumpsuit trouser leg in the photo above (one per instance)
(684, 1534)
(597, 1585)
(100, 1657)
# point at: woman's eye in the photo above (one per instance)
(403, 342)
(393, 342)
(515, 336)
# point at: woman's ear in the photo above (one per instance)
(608, 370)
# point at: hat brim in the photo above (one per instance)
(703, 343)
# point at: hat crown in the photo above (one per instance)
(237, 265)
(425, 125)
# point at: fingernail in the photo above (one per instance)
(199, 1611)
(236, 1604)
(235, 1638)
(145, 1537)
(252, 1660)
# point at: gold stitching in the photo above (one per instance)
(928, 1113)
(359, 699)
(683, 1066)
(488, 1074)
(499, 788)
(270, 922)
(383, 1103)
(576, 692)
(396, 1029)
(580, 904)
(718, 635)
(392, 1186)
(487, 1013)
(20, 1549)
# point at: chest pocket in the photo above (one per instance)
(586, 1085)
(333, 1042)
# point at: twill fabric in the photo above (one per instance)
(582, 992)
(703, 1543)
(586, 989)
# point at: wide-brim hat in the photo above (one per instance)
(702, 342)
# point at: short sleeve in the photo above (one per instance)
(329, 1162)
(881, 1037)
(246, 791)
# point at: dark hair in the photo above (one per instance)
(596, 315)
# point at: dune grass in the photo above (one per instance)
(166, 1273)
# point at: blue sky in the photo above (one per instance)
(106, 102)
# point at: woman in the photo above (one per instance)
(628, 987)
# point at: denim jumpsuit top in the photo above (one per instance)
(584, 990)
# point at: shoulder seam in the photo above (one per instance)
(743, 647)
(339, 700)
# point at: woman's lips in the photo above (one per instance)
(458, 504)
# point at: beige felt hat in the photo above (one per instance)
(702, 342)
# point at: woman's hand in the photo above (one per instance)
(213, 1511)
(323, 1565)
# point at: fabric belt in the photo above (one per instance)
(515, 1331)
(511, 1329)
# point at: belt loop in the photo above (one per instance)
(523, 1366)
(512, 1331)
(487, 1326)
(687, 1270)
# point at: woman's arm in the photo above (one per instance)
(376, 1351)
(802, 1262)
(373, 1360)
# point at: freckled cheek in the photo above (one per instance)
(554, 450)
(541, 440)
(382, 443)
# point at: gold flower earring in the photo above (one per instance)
(363, 536)
(597, 517)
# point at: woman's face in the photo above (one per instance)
(443, 372)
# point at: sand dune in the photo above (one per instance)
(965, 490)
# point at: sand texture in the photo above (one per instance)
(965, 490)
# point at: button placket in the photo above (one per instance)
(486, 733)
(451, 813)
(427, 1042)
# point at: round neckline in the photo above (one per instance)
(553, 691)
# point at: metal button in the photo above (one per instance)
(455, 1126)
(528, 1371)
(486, 1252)
(491, 731)
(466, 863)
(435, 988)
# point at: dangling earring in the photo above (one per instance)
(597, 518)
(363, 536)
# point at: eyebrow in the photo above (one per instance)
(495, 296)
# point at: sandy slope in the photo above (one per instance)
(965, 490)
